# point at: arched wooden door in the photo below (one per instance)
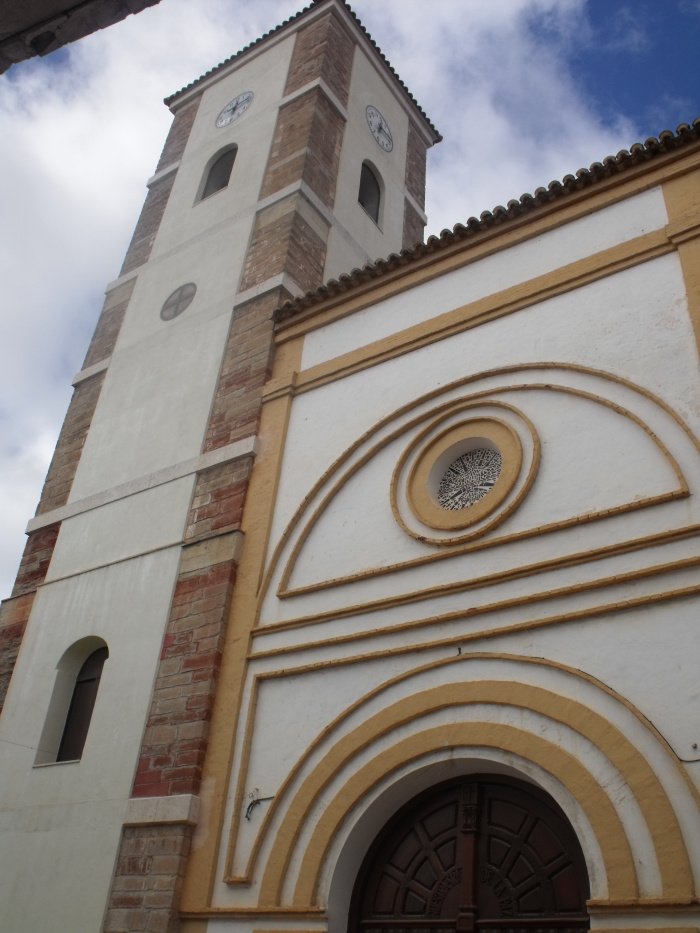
(479, 854)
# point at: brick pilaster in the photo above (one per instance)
(159, 192)
(148, 877)
(416, 150)
(413, 226)
(306, 146)
(14, 612)
(323, 49)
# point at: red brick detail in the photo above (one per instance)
(179, 133)
(177, 730)
(413, 226)
(109, 324)
(147, 225)
(154, 206)
(307, 254)
(306, 145)
(415, 165)
(323, 49)
(59, 478)
(245, 368)
(217, 504)
(14, 614)
(35, 560)
(282, 241)
(148, 879)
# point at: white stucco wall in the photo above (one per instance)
(607, 375)
(61, 823)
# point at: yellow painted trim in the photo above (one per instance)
(496, 239)
(470, 612)
(450, 444)
(239, 796)
(335, 724)
(286, 590)
(570, 560)
(674, 865)
(200, 876)
(489, 308)
(682, 197)
(512, 449)
(600, 812)
(642, 904)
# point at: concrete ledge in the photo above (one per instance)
(416, 206)
(211, 551)
(145, 811)
(323, 87)
(244, 448)
(91, 371)
(283, 280)
(163, 173)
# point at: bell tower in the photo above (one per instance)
(294, 161)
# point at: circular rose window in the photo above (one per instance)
(469, 478)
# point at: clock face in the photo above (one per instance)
(379, 128)
(469, 478)
(235, 108)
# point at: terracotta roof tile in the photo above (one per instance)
(639, 153)
(212, 71)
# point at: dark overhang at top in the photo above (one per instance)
(37, 27)
(292, 23)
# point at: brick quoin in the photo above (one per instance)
(306, 145)
(148, 879)
(413, 226)
(175, 739)
(14, 612)
(416, 150)
(159, 192)
(109, 324)
(147, 225)
(179, 134)
(217, 503)
(64, 463)
(323, 49)
(245, 368)
(282, 241)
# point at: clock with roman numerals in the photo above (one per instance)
(379, 128)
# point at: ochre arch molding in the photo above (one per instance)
(477, 541)
(605, 823)
(481, 395)
(325, 737)
(660, 818)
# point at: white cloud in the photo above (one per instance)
(80, 139)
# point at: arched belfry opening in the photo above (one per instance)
(485, 853)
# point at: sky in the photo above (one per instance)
(523, 92)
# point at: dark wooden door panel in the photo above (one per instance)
(486, 854)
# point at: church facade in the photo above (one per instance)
(366, 605)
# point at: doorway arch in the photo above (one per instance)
(481, 853)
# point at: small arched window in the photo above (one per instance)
(370, 194)
(81, 706)
(219, 172)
